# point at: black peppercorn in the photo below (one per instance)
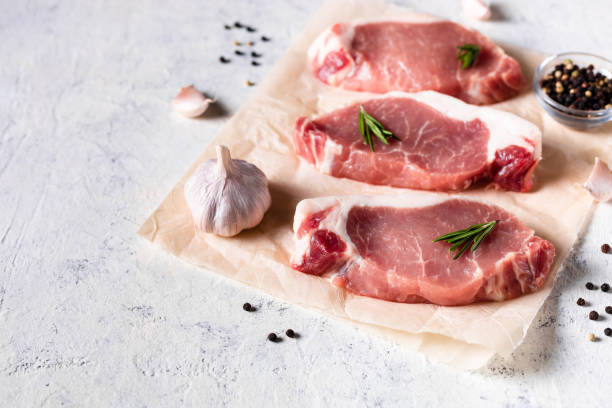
(238, 52)
(238, 25)
(264, 38)
(224, 60)
(272, 337)
(255, 55)
(578, 88)
(608, 331)
(290, 333)
(227, 27)
(250, 29)
(593, 315)
(255, 63)
(605, 287)
(589, 286)
(605, 248)
(581, 302)
(247, 307)
(609, 309)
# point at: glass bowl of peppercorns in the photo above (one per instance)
(575, 89)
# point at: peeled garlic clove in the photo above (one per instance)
(226, 196)
(190, 102)
(599, 183)
(476, 9)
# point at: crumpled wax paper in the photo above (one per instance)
(466, 336)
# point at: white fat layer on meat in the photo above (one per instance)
(505, 128)
(328, 42)
(415, 18)
(330, 151)
(408, 199)
(599, 183)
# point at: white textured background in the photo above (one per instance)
(92, 315)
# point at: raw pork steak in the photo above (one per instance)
(383, 247)
(445, 144)
(399, 56)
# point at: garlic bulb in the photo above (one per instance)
(226, 196)
(190, 102)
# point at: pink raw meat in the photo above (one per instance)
(445, 144)
(399, 56)
(383, 247)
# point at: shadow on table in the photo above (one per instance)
(215, 110)
(497, 12)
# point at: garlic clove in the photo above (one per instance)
(190, 102)
(476, 9)
(226, 195)
(599, 183)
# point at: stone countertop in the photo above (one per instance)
(93, 315)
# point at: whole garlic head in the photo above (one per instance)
(226, 196)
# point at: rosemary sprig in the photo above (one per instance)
(368, 125)
(461, 239)
(467, 54)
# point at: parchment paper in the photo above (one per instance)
(260, 132)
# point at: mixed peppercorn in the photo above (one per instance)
(578, 88)
(242, 52)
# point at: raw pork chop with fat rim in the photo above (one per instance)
(388, 56)
(382, 247)
(445, 144)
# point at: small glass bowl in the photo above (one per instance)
(576, 118)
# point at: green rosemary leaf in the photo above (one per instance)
(467, 234)
(374, 120)
(361, 122)
(369, 140)
(456, 245)
(483, 234)
(369, 125)
(379, 134)
(465, 247)
(455, 233)
(470, 237)
(467, 54)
